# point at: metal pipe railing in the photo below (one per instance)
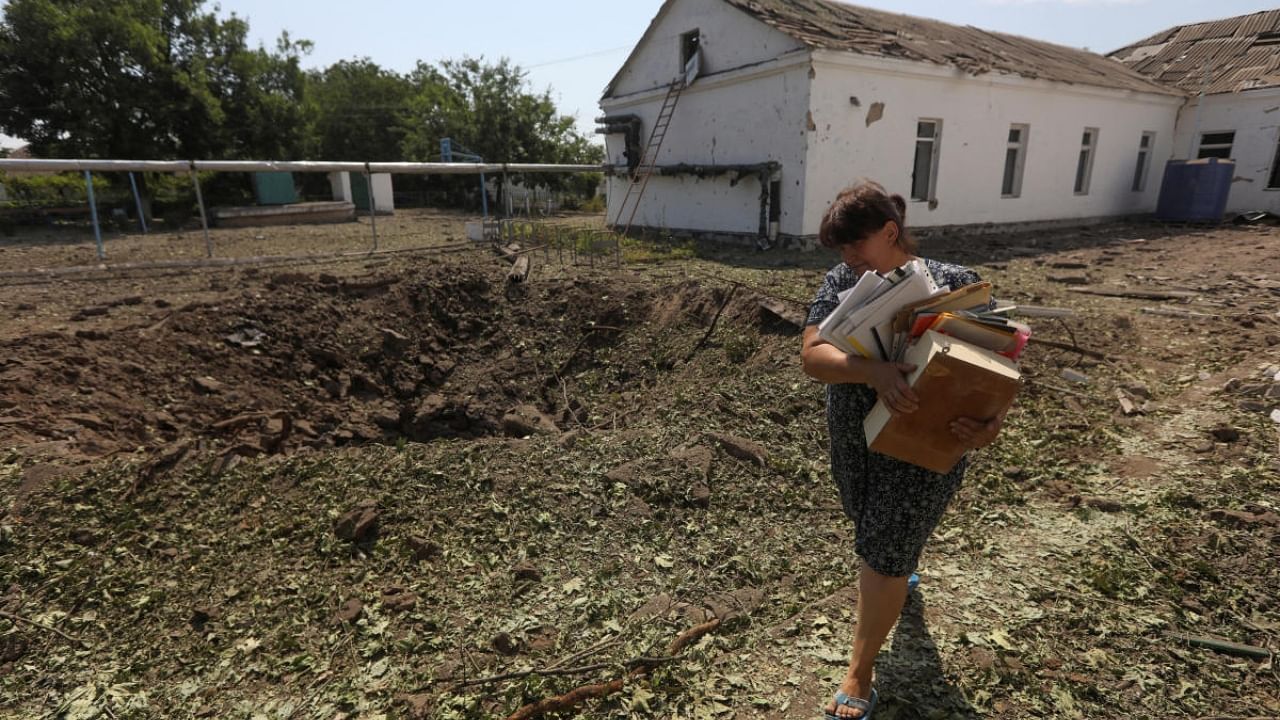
(181, 166)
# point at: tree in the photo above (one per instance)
(490, 109)
(145, 79)
(357, 111)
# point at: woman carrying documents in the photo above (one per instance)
(894, 505)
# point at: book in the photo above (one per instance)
(953, 379)
(996, 334)
(852, 325)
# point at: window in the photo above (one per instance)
(1084, 166)
(924, 171)
(1015, 155)
(1273, 182)
(689, 43)
(1145, 146)
(1216, 144)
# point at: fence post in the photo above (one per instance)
(373, 206)
(204, 220)
(93, 215)
(137, 199)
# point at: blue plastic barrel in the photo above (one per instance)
(1195, 190)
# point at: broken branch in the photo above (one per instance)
(42, 626)
(640, 667)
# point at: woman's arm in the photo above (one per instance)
(826, 362)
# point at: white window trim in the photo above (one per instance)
(1275, 160)
(934, 153)
(1144, 156)
(1021, 163)
(1092, 147)
(1231, 146)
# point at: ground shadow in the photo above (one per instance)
(910, 677)
(969, 246)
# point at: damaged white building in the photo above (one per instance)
(1231, 70)
(795, 99)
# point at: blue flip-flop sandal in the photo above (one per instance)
(913, 582)
(866, 706)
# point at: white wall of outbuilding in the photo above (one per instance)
(1254, 116)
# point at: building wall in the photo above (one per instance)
(976, 114)
(730, 39)
(1254, 115)
(744, 116)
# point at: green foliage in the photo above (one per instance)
(60, 189)
(356, 111)
(145, 79)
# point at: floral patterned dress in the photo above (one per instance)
(894, 505)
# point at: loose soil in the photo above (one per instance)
(393, 485)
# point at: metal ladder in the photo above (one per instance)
(649, 159)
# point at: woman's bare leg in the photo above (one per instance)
(880, 601)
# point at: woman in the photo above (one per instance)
(894, 506)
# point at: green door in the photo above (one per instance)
(359, 192)
(274, 188)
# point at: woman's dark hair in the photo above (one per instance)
(861, 210)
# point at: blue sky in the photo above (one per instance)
(574, 47)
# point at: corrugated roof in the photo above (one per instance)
(836, 26)
(1219, 56)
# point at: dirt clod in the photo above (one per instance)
(350, 611)
(359, 523)
(526, 570)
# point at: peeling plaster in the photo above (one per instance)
(875, 113)
(809, 123)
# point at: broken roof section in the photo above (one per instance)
(823, 24)
(1221, 56)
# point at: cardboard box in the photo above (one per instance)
(953, 379)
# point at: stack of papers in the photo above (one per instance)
(863, 323)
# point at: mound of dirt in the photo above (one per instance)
(313, 361)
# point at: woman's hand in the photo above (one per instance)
(977, 433)
(890, 383)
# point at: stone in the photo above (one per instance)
(525, 420)
(207, 385)
(393, 343)
(1138, 390)
(1225, 434)
(1074, 376)
(525, 570)
(698, 458)
(350, 611)
(505, 644)
(399, 599)
(741, 448)
(700, 495)
(422, 549)
(358, 524)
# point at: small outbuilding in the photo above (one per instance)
(1231, 70)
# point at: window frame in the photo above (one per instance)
(1273, 176)
(1142, 170)
(1084, 161)
(1019, 163)
(935, 151)
(687, 49)
(1230, 147)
